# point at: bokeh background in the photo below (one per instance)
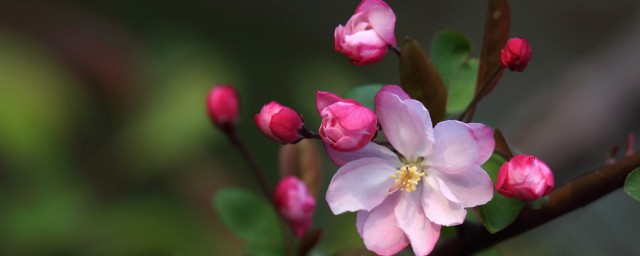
(105, 147)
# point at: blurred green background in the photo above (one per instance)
(105, 147)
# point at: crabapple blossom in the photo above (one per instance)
(222, 105)
(296, 205)
(279, 123)
(367, 35)
(525, 177)
(346, 125)
(404, 196)
(516, 54)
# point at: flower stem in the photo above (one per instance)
(467, 114)
(264, 185)
(577, 193)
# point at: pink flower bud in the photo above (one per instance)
(346, 124)
(516, 54)
(279, 123)
(525, 177)
(295, 204)
(223, 105)
(366, 37)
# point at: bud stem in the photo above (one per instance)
(395, 49)
(467, 114)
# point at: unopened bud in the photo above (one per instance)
(295, 204)
(279, 123)
(525, 177)
(516, 54)
(223, 105)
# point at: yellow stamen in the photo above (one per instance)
(407, 178)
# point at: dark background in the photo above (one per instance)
(105, 147)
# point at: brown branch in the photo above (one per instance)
(573, 195)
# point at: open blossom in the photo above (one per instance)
(346, 124)
(525, 177)
(295, 204)
(279, 123)
(366, 37)
(516, 54)
(223, 105)
(403, 198)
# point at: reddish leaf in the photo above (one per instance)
(496, 34)
(420, 79)
(502, 147)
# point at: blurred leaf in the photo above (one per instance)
(461, 89)
(340, 233)
(251, 218)
(365, 94)
(496, 34)
(489, 252)
(309, 241)
(355, 252)
(537, 204)
(420, 79)
(502, 146)
(632, 185)
(302, 160)
(500, 211)
(449, 50)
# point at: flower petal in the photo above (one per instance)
(422, 233)
(394, 89)
(360, 185)
(455, 148)
(380, 231)
(437, 207)
(361, 217)
(383, 22)
(324, 99)
(370, 150)
(486, 143)
(472, 187)
(423, 119)
(399, 123)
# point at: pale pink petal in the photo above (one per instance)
(455, 148)
(472, 187)
(383, 21)
(438, 208)
(422, 118)
(396, 90)
(338, 34)
(324, 99)
(366, 5)
(370, 150)
(360, 185)
(366, 38)
(422, 233)
(399, 123)
(361, 217)
(486, 143)
(380, 231)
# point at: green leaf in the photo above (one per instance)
(420, 79)
(500, 211)
(251, 218)
(461, 89)
(632, 185)
(449, 50)
(364, 94)
(537, 204)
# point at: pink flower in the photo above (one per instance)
(525, 177)
(279, 123)
(403, 198)
(516, 54)
(366, 37)
(295, 204)
(222, 105)
(346, 124)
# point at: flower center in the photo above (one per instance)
(407, 178)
